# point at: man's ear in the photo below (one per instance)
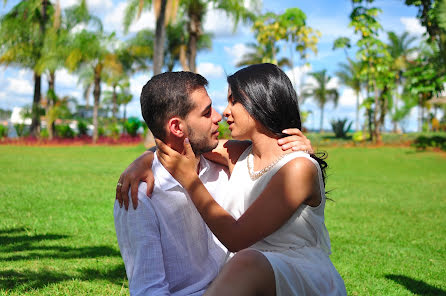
(176, 127)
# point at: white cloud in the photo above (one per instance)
(412, 25)
(100, 4)
(210, 70)
(236, 52)
(113, 21)
(222, 25)
(65, 79)
(96, 5)
(137, 82)
(333, 83)
(67, 3)
(20, 86)
(220, 108)
(298, 77)
(146, 21)
(348, 98)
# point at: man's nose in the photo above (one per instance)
(216, 117)
(226, 112)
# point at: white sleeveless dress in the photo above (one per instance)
(299, 250)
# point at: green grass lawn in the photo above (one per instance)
(387, 221)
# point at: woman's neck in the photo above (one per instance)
(265, 149)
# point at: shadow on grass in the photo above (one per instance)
(25, 280)
(16, 245)
(12, 242)
(416, 286)
(332, 137)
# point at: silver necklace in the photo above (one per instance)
(255, 175)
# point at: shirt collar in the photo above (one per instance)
(164, 178)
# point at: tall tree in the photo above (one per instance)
(165, 12)
(257, 54)
(270, 28)
(90, 53)
(196, 10)
(22, 34)
(399, 47)
(350, 75)
(321, 93)
(377, 61)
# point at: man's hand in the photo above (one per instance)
(296, 141)
(139, 170)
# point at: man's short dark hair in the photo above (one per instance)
(167, 95)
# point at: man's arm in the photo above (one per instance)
(140, 245)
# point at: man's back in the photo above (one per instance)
(166, 246)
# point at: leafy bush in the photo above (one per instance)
(44, 134)
(132, 125)
(339, 128)
(423, 142)
(21, 129)
(82, 128)
(360, 136)
(64, 131)
(101, 131)
(113, 131)
(3, 131)
(224, 131)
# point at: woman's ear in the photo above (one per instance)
(176, 127)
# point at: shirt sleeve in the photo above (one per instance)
(140, 245)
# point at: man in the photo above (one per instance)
(166, 246)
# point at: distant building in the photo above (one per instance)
(84, 112)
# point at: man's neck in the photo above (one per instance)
(177, 145)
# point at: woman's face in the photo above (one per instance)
(240, 121)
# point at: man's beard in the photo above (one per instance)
(200, 144)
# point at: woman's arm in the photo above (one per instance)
(139, 170)
(228, 151)
(295, 183)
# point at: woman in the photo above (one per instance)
(277, 198)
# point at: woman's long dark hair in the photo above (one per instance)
(266, 92)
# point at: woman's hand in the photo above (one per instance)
(183, 167)
(139, 170)
(296, 141)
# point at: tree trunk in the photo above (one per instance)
(96, 94)
(52, 91)
(115, 104)
(194, 33)
(160, 37)
(183, 58)
(322, 120)
(125, 115)
(395, 110)
(357, 112)
(376, 128)
(35, 123)
(420, 113)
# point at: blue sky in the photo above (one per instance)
(330, 17)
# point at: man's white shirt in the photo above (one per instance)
(166, 246)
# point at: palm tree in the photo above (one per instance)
(261, 54)
(196, 11)
(349, 75)
(165, 12)
(176, 45)
(22, 34)
(399, 48)
(321, 93)
(91, 57)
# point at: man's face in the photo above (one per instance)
(202, 122)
